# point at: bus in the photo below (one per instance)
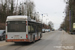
(22, 29)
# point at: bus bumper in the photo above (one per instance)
(17, 40)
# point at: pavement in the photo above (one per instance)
(54, 40)
(68, 41)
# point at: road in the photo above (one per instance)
(54, 40)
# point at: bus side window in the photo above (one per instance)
(28, 28)
(39, 28)
(32, 29)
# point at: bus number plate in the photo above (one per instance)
(16, 36)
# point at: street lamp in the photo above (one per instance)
(42, 18)
(70, 18)
(46, 21)
(25, 7)
(66, 1)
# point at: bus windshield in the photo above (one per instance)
(16, 26)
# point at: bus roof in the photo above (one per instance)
(12, 18)
(20, 18)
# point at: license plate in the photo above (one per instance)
(16, 37)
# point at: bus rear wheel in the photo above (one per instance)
(17, 42)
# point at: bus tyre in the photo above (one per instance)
(33, 39)
(16, 42)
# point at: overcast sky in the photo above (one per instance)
(54, 9)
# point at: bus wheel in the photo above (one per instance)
(33, 39)
(16, 42)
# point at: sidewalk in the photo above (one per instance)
(3, 43)
(68, 41)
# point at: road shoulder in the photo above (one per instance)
(68, 41)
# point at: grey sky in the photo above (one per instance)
(54, 9)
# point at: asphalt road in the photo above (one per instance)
(55, 40)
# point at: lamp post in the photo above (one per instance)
(42, 22)
(70, 15)
(70, 20)
(25, 7)
(43, 16)
(66, 1)
(46, 21)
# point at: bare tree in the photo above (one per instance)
(29, 8)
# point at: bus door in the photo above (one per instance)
(31, 30)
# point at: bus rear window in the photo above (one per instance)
(16, 26)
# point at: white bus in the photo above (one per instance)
(22, 29)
